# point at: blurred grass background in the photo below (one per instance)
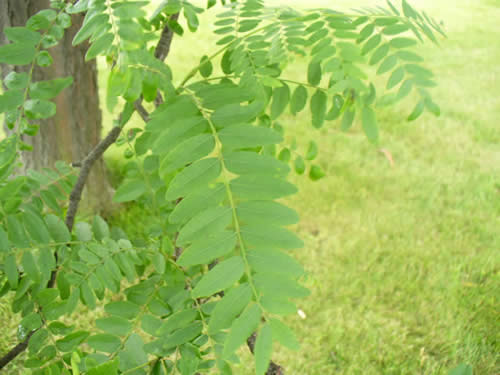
(403, 260)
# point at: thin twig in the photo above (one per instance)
(163, 49)
(76, 193)
(141, 110)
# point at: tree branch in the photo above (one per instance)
(76, 193)
(15, 351)
(163, 48)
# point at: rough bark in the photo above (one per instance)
(76, 128)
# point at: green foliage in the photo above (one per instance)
(214, 269)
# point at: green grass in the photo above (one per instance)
(402, 261)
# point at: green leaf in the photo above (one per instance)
(432, 107)
(192, 204)
(409, 56)
(37, 341)
(402, 42)
(405, 89)
(10, 268)
(129, 191)
(257, 188)
(169, 139)
(316, 173)
(370, 124)
(90, 26)
(262, 235)
(347, 119)
(336, 110)
(44, 59)
(133, 353)
(417, 111)
(314, 73)
(36, 228)
(231, 114)
(41, 20)
(252, 163)
(193, 178)
(299, 99)
(271, 284)
(106, 368)
(395, 29)
(205, 250)
(283, 334)
(31, 322)
(100, 228)
(210, 221)
(178, 320)
(223, 275)
(17, 234)
(186, 152)
(104, 342)
(226, 62)
(388, 64)
(57, 229)
(17, 53)
(87, 295)
(255, 212)
(244, 136)
(11, 100)
(39, 108)
(100, 45)
(71, 341)
(229, 307)
(285, 155)
(47, 296)
(16, 81)
(312, 151)
(206, 67)
(372, 43)
(318, 108)
(241, 329)
(396, 77)
(408, 11)
(370, 97)
(49, 89)
(22, 35)
(114, 325)
(183, 335)
(129, 10)
(379, 54)
(281, 97)
(299, 165)
(4, 241)
(29, 266)
(265, 260)
(125, 309)
(263, 349)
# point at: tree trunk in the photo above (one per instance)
(76, 128)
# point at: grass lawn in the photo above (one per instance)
(403, 261)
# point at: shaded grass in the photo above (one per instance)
(402, 261)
